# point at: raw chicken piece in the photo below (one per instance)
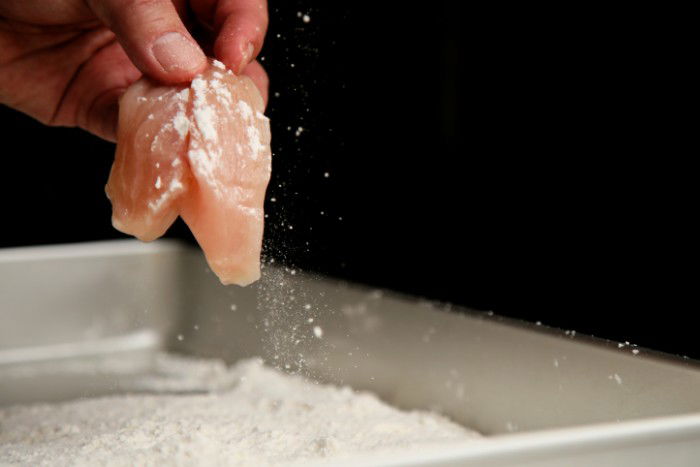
(229, 156)
(148, 174)
(202, 152)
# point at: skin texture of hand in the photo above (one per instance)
(67, 62)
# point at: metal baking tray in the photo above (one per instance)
(542, 396)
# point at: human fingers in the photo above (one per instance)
(153, 36)
(92, 100)
(257, 73)
(239, 25)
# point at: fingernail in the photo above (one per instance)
(174, 52)
(247, 54)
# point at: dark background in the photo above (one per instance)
(502, 158)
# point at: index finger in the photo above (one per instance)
(240, 27)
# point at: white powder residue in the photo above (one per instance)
(204, 164)
(245, 110)
(158, 183)
(203, 413)
(223, 95)
(219, 65)
(181, 124)
(200, 161)
(256, 146)
(163, 130)
(204, 115)
(183, 96)
(174, 187)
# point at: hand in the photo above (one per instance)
(66, 62)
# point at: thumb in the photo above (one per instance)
(153, 36)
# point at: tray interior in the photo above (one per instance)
(70, 308)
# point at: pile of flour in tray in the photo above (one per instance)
(199, 412)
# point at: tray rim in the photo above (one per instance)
(548, 443)
(100, 248)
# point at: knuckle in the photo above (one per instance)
(150, 15)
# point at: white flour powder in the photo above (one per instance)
(201, 413)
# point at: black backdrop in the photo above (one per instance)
(500, 158)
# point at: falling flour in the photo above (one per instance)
(199, 412)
